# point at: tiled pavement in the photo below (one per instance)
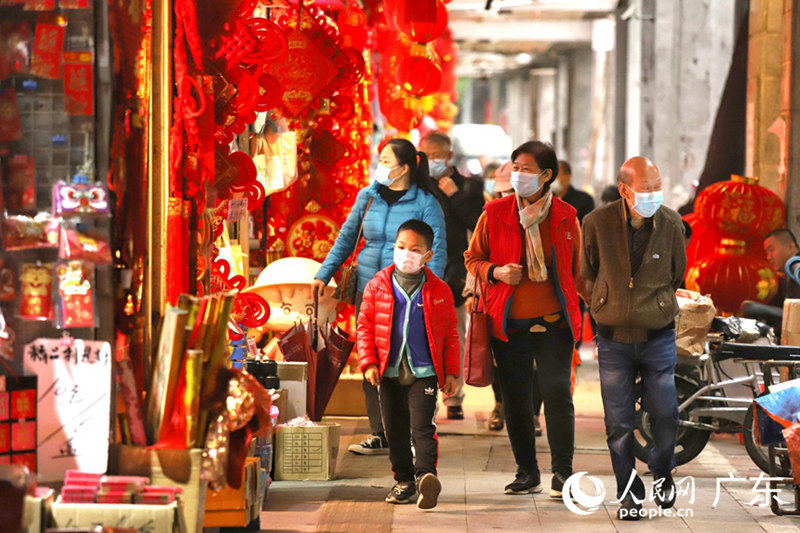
(475, 464)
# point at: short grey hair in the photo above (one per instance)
(439, 138)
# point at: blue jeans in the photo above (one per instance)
(620, 363)
(552, 351)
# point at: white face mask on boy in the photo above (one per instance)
(408, 262)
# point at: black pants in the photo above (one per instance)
(370, 391)
(552, 351)
(408, 414)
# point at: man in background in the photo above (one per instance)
(462, 204)
(582, 202)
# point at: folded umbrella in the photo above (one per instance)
(331, 360)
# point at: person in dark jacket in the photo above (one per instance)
(633, 260)
(462, 202)
(401, 191)
(582, 202)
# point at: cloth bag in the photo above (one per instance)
(478, 363)
(348, 279)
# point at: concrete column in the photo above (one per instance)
(789, 155)
(765, 60)
(580, 113)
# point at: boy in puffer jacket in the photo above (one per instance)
(408, 343)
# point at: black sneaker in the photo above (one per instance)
(557, 484)
(664, 492)
(401, 493)
(629, 509)
(429, 488)
(455, 412)
(372, 445)
(525, 483)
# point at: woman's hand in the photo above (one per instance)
(371, 374)
(317, 288)
(510, 274)
(468, 303)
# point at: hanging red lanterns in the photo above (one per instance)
(731, 276)
(418, 72)
(422, 20)
(740, 208)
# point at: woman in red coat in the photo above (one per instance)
(526, 251)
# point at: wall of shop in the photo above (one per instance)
(674, 61)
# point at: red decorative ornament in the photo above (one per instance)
(418, 72)
(740, 208)
(731, 276)
(422, 20)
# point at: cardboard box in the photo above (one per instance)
(170, 467)
(791, 321)
(282, 403)
(306, 452)
(139, 517)
(294, 378)
(347, 398)
(231, 507)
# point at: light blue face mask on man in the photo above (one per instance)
(437, 167)
(647, 203)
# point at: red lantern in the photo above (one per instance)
(418, 73)
(422, 20)
(352, 23)
(403, 114)
(731, 276)
(740, 208)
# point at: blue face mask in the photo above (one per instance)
(437, 167)
(382, 174)
(525, 184)
(647, 203)
(488, 186)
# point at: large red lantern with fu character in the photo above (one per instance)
(732, 276)
(740, 208)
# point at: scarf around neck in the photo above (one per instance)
(529, 218)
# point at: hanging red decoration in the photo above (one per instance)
(418, 72)
(422, 20)
(402, 114)
(740, 208)
(352, 23)
(731, 276)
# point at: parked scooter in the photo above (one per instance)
(716, 391)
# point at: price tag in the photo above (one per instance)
(236, 209)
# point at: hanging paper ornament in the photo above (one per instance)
(10, 125)
(352, 23)
(35, 299)
(48, 44)
(422, 20)
(76, 300)
(21, 188)
(8, 284)
(312, 236)
(78, 83)
(418, 72)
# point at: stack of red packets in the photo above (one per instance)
(83, 487)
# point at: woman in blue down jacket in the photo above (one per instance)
(402, 191)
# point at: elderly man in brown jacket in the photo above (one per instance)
(633, 260)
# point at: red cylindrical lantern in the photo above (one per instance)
(402, 114)
(740, 208)
(422, 20)
(731, 276)
(418, 74)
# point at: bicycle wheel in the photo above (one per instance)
(690, 441)
(760, 454)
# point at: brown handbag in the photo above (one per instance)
(478, 362)
(348, 279)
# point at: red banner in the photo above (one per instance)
(78, 83)
(48, 43)
(10, 126)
